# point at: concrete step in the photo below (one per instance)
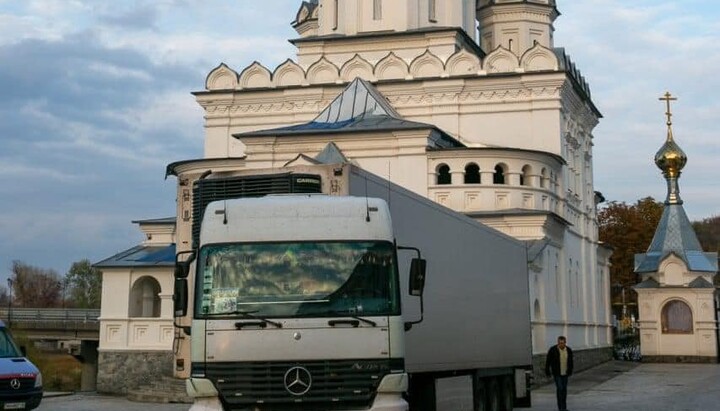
(166, 390)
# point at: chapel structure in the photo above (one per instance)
(466, 102)
(676, 297)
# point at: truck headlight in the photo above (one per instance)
(38, 380)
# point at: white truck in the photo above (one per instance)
(367, 297)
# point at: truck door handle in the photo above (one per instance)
(240, 325)
(354, 323)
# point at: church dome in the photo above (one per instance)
(670, 158)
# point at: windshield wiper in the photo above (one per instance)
(247, 314)
(343, 314)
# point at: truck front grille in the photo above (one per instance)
(263, 386)
(26, 384)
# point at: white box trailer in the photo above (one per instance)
(277, 324)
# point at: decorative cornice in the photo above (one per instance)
(479, 93)
(462, 63)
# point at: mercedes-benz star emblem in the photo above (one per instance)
(15, 384)
(298, 380)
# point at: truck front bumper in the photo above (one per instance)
(388, 398)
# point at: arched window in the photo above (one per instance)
(472, 174)
(443, 174)
(499, 176)
(676, 318)
(543, 178)
(525, 176)
(145, 298)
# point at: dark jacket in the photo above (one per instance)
(552, 362)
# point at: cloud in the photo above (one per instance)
(141, 18)
(631, 53)
(96, 102)
(87, 131)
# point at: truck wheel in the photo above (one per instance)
(480, 394)
(494, 395)
(508, 393)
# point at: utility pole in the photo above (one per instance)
(10, 290)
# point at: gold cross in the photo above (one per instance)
(668, 98)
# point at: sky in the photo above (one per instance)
(95, 101)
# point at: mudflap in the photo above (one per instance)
(523, 382)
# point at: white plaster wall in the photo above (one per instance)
(400, 15)
(702, 342)
(114, 288)
(120, 332)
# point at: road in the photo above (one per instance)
(613, 386)
(94, 402)
(647, 387)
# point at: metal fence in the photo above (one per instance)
(626, 345)
(49, 315)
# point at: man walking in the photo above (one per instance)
(559, 363)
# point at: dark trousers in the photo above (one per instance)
(561, 383)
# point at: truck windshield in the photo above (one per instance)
(304, 279)
(8, 349)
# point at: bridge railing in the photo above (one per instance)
(51, 317)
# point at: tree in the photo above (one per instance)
(708, 233)
(84, 283)
(628, 229)
(34, 287)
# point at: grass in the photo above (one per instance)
(60, 371)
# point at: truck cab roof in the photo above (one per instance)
(296, 218)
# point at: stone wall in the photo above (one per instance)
(584, 360)
(121, 371)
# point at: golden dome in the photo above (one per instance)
(670, 158)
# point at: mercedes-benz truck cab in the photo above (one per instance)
(20, 380)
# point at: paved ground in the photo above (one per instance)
(619, 386)
(94, 402)
(616, 386)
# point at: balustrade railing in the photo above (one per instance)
(50, 317)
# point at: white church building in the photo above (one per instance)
(474, 107)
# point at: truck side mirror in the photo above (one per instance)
(180, 297)
(417, 276)
(182, 268)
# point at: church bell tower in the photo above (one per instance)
(353, 17)
(516, 25)
(339, 30)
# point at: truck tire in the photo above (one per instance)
(494, 397)
(480, 394)
(507, 388)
